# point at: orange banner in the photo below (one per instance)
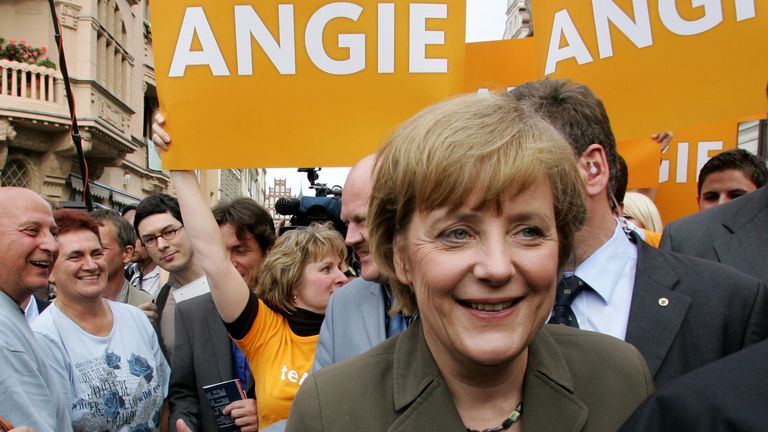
(680, 165)
(659, 65)
(500, 64)
(306, 83)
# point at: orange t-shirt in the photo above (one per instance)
(279, 360)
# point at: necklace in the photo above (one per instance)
(506, 424)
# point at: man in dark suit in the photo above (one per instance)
(680, 312)
(729, 394)
(735, 234)
(204, 353)
(160, 228)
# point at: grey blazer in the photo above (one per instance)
(353, 324)
(687, 312)
(202, 356)
(575, 381)
(735, 234)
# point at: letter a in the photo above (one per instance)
(196, 22)
(575, 48)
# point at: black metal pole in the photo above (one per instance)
(87, 198)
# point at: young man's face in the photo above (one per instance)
(172, 255)
(722, 186)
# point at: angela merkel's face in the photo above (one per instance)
(484, 278)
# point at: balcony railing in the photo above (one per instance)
(31, 82)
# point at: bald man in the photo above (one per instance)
(356, 319)
(34, 393)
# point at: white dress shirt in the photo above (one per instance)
(610, 272)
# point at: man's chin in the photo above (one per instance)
(371, 275)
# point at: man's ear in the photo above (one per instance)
(127, 254)
(594, 169)
(402, 268)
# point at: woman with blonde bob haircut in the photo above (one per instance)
(641, 210)
(283, 269)
(473, 213)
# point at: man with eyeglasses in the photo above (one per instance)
(160, 228)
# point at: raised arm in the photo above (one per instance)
(229, 291)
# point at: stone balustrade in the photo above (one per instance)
(33, 82)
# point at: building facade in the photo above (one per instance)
(109, 58)
(519, 23)
(276, 191)
(111, 67)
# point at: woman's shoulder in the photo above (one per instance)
(379, 358)
(606, 375)
(572, 339)
(344, 395)
(590, 356)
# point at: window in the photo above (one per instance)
(16, 174)
(114, 64)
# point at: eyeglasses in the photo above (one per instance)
(167, 235)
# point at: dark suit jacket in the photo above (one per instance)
(575, 381)
(735, 234)
(687, 312)
(728, 395)
(202, 355)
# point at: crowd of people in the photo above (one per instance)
(508, 281)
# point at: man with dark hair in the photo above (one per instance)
(203, 353)
(680, 313)
(35, 393)
(160, 228)
(729, 175)
(142, 273)
(735, 233)
(117, 241)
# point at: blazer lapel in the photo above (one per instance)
(548, 388)
(421, 392)
(745, 236)
(657, 311)
(220, 341)
(419, 388)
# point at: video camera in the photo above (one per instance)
(325, 206)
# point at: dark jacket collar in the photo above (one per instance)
(419, 387)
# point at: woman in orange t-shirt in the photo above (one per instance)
(277, 328)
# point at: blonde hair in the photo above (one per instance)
(639, 207)
(283, 269)
(452, 151)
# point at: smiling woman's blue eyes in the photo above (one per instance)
(455, 234)
(462, 234)
(531, 232)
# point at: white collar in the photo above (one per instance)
(603, 269)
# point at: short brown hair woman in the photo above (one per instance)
(474, 208)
